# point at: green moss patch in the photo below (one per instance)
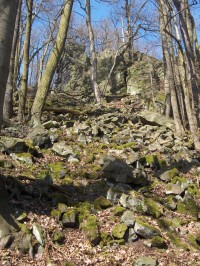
(119, 230)
(102, 203)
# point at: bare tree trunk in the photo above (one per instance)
(190, 65)
(8, 11)
(45, 82)
(24, 83)
(8, 101)
(170, 85)
(92, 52)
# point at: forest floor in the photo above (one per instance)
(75, 248)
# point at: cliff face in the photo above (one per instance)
(143, 76)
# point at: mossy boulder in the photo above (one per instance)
(57, 170)
(23, 157)
(145, 230)
(102, 203)
(105, 239)
(170, 202)
(84, 209)
(56, 214)
(158, 242)
(58, 237)
(153, 161)
(177, 241)
(70, 218)
(166, 224)
(118, 210)
(119, 230)
(91, 230)
(192, 239)
(153, 208)
(169, 174)
(189, 207)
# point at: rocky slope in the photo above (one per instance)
(103, 186)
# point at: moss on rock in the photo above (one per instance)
(91, 230)
(190, 207)
(118, 210)
(102, 203)
(158, 242)
(119, 230)
(154, 209)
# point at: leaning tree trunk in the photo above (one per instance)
(8, 10)
(24, 83)
(92, 52)
(8, 101)
(45, 82)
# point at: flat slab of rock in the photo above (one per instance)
(156, 119)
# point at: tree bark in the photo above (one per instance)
(8, 10)
(45, 82)
(8, 101)
(24, 82)
(92, 52)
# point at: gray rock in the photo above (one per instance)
(114, 194)
(169, 174)
(24, 157)
(132, 236)
(116, 170)
(135, 202)
(145, 261)
(174, 189)
(40, 137)
(38, 233)
(69, 218)
(128, 218)
(156, 119)
(145, 230)
(62, 149)
(14, 145)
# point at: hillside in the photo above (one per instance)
(109, 185)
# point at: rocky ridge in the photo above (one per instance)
(117, 179)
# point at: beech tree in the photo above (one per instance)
(8, 11)
(49, 70)
(10, 86)
(24, 82)
(181, 64)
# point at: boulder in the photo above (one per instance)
(156, 119)
(128, 218)
(62, 149)
(119, 230)
(40, 137)
(90, 229)
(145, 230)
(145, 261)
(116, 170)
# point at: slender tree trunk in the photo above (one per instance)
(190, 65)
(45, 82)
(8, 101)
(24, 82)
(170, 84)
(8, 11)
(129, 30)
(92, 52)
